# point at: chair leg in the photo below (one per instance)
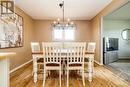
(65, 70)
(83, 80)
(35, 77)
(44, 78)
(93, 66)
(67, 78)
(60, 77)
(49, 72)
(35, 70)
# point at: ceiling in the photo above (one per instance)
(74, 9)
(121, 13)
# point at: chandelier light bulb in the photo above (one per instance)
(58, 19)
(66, 25)
(54, 22)
(68, 20)
(72, 23)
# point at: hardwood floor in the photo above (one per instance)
(102, 77)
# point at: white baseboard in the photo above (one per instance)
(97, 62)
(20, 66)
(32, 60)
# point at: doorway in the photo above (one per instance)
(116, 41)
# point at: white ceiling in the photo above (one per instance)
(74, 9)
(122, 13)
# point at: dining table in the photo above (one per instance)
(40, 54)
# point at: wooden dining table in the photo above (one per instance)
(88, 55)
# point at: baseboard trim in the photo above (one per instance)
(124, 58)
(20, 66)
(97, 62)
(32, 60)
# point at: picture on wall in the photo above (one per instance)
(11, 32)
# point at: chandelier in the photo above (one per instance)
(63, 24)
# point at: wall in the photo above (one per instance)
(43, 30)
(23, 53)
(96, 26)
(113, 28)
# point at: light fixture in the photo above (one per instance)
(62, 23)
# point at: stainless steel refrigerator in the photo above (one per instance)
(110, 50)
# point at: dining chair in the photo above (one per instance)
(52, 59)
(69, 44)
(90, 49)
(35, 47)
(75, 59)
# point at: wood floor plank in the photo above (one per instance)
(102, 77)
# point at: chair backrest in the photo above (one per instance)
(70, 44)
(57, 44)
(75, 54)
(51, 53)
(35, 46)
(91, 47)
(67, 45)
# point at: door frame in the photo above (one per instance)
(101, 31)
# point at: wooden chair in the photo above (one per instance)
(35, 46)
(38, 62)
(90, 49)
(75, 59)
(52, 59)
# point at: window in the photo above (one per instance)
(69, 34)
(57, 34)
(66, 34)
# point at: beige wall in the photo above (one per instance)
(96, 25)
(43, 30)
(23, 53)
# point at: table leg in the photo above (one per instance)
(90, 69)
(35, 69)
(63, 67)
